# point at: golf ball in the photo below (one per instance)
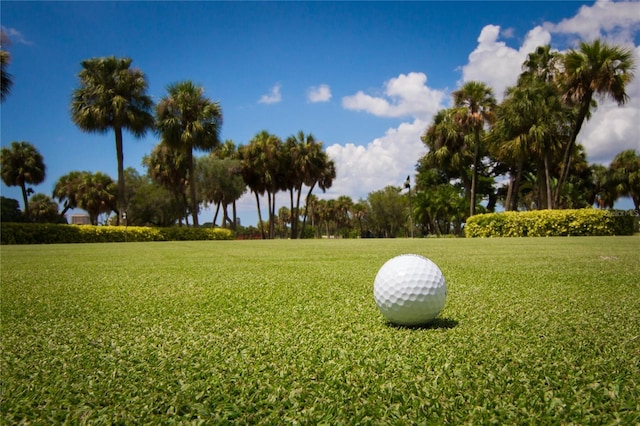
(409, 290)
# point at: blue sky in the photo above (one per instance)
(364, 78)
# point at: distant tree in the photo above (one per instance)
(6, 81)
(44, 209)
(220, 182)
(150, 204)
(67, 189)
(22, 164)
(112, 95)
(264, 171)
(593, 69)
(625, 175)
(10, 210)
(188, 121)
(604, 193)
(229, 150)
(388, 211)
(168, 168)
(97, 195)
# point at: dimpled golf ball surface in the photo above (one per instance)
(409, 290)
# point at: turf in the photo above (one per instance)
(535, 331)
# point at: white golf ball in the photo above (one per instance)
(410, 290)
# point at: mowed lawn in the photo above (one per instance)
(534, 331)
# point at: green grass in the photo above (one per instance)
(535, 331)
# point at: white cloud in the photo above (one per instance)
(272, 97)
(613, 128)
(404, 96)
(495, 63)
(614, 20)
(320, 93)
(386, 160)
(16, 36)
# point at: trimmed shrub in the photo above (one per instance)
(550, 223)
(37, 233)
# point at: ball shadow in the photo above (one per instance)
(437, 323)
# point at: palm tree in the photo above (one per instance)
(44, 209)
(187, 120)
(96, 195)
(306, 162)
(229, 150)
(594, 68)
(22, 164)
(66, 190)
(6, 81)
(475, 104)
(448, 147)
(112, 95)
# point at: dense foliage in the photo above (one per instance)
(551, 223)
(36, 233)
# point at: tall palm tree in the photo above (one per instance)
(594, 69)
(112, 95)
(529, 123)
(22, 164)
(475, 104)
(187, 120)
(6, 81)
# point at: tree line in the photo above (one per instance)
(522, 153)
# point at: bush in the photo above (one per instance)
(551, 223)
(37, 233)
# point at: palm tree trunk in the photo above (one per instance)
(306, 209)
(294, 230)
(235, 216)
(547, 178)
(260, 222)
(121, 200)
(25, 198)
(215, 216)
(474, 176)
(566, 159)
(192, 188)
(516, 185)
(507, 203)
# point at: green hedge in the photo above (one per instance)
(41, 233)
(551, 223)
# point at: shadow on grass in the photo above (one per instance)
(438, 323)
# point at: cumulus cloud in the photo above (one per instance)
(273, 96)
(404, 96)
(320, 93)
(616, 21)
(385, 161)
(495, 63)
(613, 128)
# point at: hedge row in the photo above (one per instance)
(551, 223)
(42, 233)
